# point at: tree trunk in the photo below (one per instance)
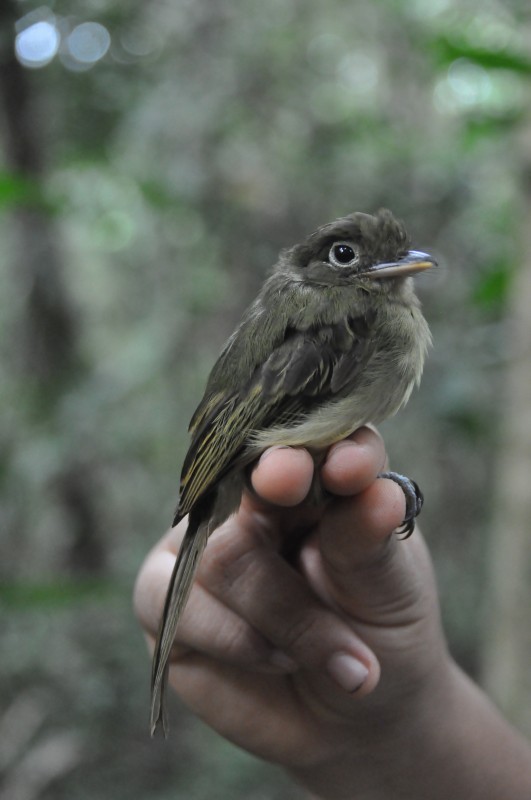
(507, 649)
(46, 352)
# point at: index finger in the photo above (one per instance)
(283, 476)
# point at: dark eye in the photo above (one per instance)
(342, 254)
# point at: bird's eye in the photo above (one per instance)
(342, 254)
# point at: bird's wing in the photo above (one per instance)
(307, 367)
(219, 438)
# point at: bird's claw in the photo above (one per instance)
(414, 501)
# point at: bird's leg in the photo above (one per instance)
(414, 501)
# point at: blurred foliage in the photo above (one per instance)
(164, 178)
(17, 190)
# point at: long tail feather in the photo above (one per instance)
(181, 580)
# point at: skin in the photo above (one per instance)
(289, 642)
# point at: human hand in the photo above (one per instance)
(283, 656)
(256, 652)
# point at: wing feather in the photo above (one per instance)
(307, 367)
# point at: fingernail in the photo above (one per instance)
(340, 447)
(349, 673)
(283, 662)
(273, 449)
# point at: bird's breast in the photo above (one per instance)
(395, 366)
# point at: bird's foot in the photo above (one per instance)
(414, 501)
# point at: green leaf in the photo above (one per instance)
(18, 190)
(60, 593)
(15, 189)
(450, 48)
(487, 126)
(490, 292)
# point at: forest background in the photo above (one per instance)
(155, 158)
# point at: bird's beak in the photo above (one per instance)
(414, 261)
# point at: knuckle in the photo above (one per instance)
(226, 560)
(297, 631)
(241, 645)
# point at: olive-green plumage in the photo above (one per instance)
(334, 340)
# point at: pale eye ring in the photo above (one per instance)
(343, 254)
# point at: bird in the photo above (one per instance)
(335, 339)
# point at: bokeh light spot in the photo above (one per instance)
(469, 82)
(36, 45)
(88, 42)
(465, 86)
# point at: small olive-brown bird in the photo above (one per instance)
(334, 340)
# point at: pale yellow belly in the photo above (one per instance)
(336, 419)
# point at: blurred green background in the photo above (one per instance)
(155, 158)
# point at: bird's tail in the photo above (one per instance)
(181, 580)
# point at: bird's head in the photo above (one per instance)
(361, 249)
